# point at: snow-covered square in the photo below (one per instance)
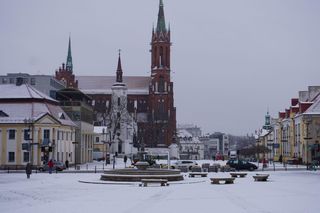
(286, 191)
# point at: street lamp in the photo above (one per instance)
(75, 154)
(307, 138)
(29, 122)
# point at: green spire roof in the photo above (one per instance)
(161, 25)
(69, 65)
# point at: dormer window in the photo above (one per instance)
(62, 116)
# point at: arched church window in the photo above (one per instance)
(161, 57)
(161, 84)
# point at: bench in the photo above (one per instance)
(202, 174)
(163, 182)
(235, 174)
(226, 180)
(261, 177)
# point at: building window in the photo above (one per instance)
(12, 134)
(11, 80)
(53, 94)
(26, 157)
(46, 134)
(118, 101)
(11, 157)
(4, 81)
(97, 139)
(26, 134)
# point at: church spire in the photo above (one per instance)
(69, 66)
(161, 25)
(119, 69)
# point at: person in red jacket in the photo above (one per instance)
(50, 165)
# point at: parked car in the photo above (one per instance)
(187, 163)
(57, 165)
(241, 165)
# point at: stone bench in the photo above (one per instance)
(202, 174)
(163, 182)
(261, 177)
(226, 180)
(213, 169)
(236, 174)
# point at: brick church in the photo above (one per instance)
(150, 99)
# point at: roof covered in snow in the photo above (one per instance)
(25, 106)
(99, 129)
(182, 133)
(102, 84)
(25, 91)
(314, 109)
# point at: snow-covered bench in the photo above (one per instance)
(261, 177)
(163, 182)
(237, 174)
(202, 174)
(226, 180)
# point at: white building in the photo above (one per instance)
(216, 145)
(190, 147)
(33, 128)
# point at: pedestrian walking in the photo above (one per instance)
(67, 164)
(28, 170)
(50, 165)
(125, 158)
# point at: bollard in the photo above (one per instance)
(87, 166)
(103, 167)
(8, 169)
(95, 169)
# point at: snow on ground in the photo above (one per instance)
(287, 191)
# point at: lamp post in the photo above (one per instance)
(307, 138)
(104, 141)
(75, 154)
(29, 122)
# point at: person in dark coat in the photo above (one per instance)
(125, 158)
(28, 170)
(67, 164)
(50, 165)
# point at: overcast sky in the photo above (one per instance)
(231, 59)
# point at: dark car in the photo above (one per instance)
(57, 165)
(241, 165)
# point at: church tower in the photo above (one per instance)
(162, 110)
(121, 124)
(65, 72)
